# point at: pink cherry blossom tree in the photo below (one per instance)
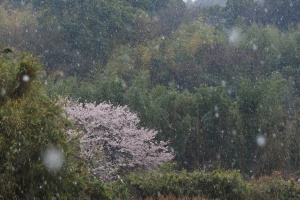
(111, 141)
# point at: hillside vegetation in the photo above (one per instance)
(216, 89)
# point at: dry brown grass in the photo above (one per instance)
(263, 181)
(171, 197)
(276, 175)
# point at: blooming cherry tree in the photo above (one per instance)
(111, 140)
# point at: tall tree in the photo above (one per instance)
(36, 158)
(91, 28)
(112, 141)
(151, 6)
(236, 8)
(283, 13)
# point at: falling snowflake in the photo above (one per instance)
(261, 140)
(254, 47)
(25, 78)
(3, 91)
(234, 36)
(53, 159)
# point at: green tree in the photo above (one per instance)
(92, 28)
(138, 99)
(283, 14)
(236, 8)
(249, 98)
(151, 6)
(107, 88)
(263, 117)
(266, 43)
(30, 124)
(211, 128)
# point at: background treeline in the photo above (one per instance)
(283, 14)
(76, 36)
(212, 80)
(210, 97)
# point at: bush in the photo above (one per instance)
(217, 184)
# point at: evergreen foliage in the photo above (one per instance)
(30, 123)
(221, 84)
(217, 184)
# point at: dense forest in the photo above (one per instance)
(125, 99)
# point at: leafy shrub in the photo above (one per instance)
(168, 182)
(228, 185)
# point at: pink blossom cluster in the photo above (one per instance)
(112, 141)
